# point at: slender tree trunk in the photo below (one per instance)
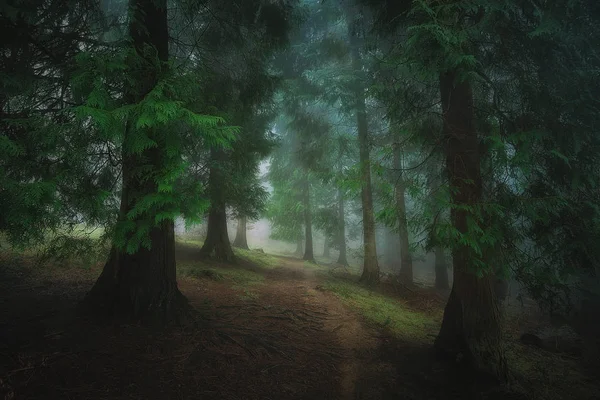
(441, 269)
(341, 234)
(217, 242)
(326, 248)
(241, 240)
(299, 247)
(392, 251)
(370, 274)
(406, 265)
(471, 324)
(342, 257)
(142, 286)
(308, 248)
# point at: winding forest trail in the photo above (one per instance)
(324, 347)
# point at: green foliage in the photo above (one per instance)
(284, 212)
(532, 101)
(77, 248)
(155, 126)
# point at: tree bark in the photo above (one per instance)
(326, 248)
(341, 234)
(217, 244)
(342, 257)
(441, 269)
(308, 239)
(471, 325)
(370, 274)
(406, 265)
(142, 286)
(241, 240)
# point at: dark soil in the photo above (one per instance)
(292, 341)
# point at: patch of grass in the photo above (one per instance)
(206, 274)
(249, 295)
(237, 276)
(189, 241)
(240, 279)
(258, 258)
(383, 310)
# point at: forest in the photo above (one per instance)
(300, 199)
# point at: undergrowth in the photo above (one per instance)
(547, 375)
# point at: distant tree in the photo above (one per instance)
(240, 240)
(370, 274)
(245, 91)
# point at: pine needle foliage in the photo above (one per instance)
(162, 121)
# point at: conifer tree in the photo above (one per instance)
(140, 282)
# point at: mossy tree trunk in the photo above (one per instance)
(241, 240)
(142, 286)
(406, 264)
(308, 238)
(217, 244)
(471, 325)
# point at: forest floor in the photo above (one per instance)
(270, 327)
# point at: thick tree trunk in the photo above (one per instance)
(441, 269)
(370, 274)
(299, 247)
(308, 239)
(406, 265)
(241, 240)
(142, 285)
(471, 324)
(501, 289)
(217, 244)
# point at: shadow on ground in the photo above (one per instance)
(291, 340)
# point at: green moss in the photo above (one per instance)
(384, 311)
(258, 258)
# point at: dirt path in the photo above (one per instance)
(329, 347)
(285, 338)
(299, 287)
